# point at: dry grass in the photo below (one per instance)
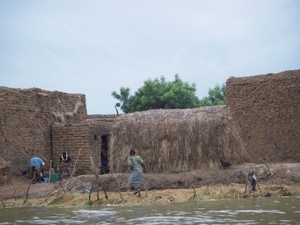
(216, 192)
(177, 140)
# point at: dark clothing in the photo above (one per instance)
(66, 162)
(65, 158)
(104, 161)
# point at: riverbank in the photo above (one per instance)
(205, 193)
(275, 180)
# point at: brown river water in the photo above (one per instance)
(284, 210)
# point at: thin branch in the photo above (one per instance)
(98, 179)
(116, 110)
(246, 180)
(194, 191)
(145, 190)
(90, 193)
(73, 171)
(29, 188)
(14, 189)
(2, 203)
(272, 174)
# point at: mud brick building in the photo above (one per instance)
(35, 122)
(82, 141)
(267, 108)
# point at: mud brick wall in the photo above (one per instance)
(84, 137)
(26, 116)
(267, 108)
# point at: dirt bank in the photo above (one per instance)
(273, 179)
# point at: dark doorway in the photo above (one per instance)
(104, 167)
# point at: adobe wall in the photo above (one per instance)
(26, 116)
(84, 137)
(267, 108)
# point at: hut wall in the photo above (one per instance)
(26, 116)
(84, 137)
(177, 140)
(267, 108)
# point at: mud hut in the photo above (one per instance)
(177, 140)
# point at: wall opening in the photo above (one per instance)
(104, 167)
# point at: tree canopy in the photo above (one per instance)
(160, 94)
(216, 96)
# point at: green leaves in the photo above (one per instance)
(160, 94)
(216, 96)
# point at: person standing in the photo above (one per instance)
(135, 162)
(36, 168)
(66, 162)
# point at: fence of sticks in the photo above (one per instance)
(177, 140)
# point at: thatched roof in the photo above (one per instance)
(177, 140)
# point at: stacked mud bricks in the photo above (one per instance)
(267, 108)
(26, 120)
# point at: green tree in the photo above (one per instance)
(123, 98)
(216, 96)
(158, 94)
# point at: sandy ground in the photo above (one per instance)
(279, 175)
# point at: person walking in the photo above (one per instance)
(136, 164)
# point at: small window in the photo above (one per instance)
(95, 137)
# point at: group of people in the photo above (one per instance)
(134, 161)
(37, 167)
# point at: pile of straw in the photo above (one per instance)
(177, 140)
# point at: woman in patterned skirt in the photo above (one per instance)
(135, 162)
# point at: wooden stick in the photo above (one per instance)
(2, 203)
(50, 171)
(73, 172)
(272, 174)
(246, 184)
(120, 194)
(98, 179)
(28, 189)
(194, 191)
(14, 189)
(145, 189)
(96, 176)
(90, 193)
(258, 186)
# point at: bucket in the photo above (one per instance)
(53, 177)
(46, 179)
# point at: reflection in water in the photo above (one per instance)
(243, 211)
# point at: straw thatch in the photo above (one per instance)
(177, 140)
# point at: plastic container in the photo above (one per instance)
(53, 177)
(46, 179)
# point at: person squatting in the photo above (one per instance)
(36, 169)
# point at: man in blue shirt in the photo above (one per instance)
(36, 168)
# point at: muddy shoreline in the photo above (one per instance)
(277, 179)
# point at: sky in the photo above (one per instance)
(96, 47)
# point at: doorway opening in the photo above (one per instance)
(104, 167)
